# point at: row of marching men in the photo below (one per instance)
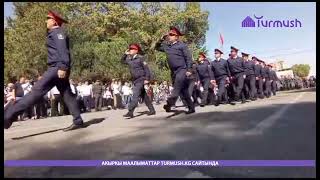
(234, 72)
(236, 79)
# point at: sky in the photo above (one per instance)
(292, 45)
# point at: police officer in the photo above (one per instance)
(193, 85)
(274, 79)
(221, 72)
(205, 77)
(236, 66)
(180, 64)
(263, 75)
(141, 76)
(258, 77)
(57, 74)
(250, 80)
(267, 91)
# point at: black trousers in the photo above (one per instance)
(139, 91)
(41, 108)
(238, 85)
(221, 82)
(267, 85)
(180, 86)
(274, 87)
(251, 84)
(205, 84)
(41, 87)
(58, 99)
(260, 86)
(98, 102)
(87, 102)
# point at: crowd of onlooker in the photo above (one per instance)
(116, 94)
(94, 95)
(289, 82)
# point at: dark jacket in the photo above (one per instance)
(220, 68)
(236, 66)
(204, 70)
(249, 67)
(58, 49)
(178, 55)
(138, 67)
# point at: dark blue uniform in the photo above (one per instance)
(267, 83)
(140, 72)
(274, 79)
(205, 75)
(250, 80)
(264, 76)
(180, 61)
(259, 81)
(221, 71)
(192, 89)
(237, 69)
(58, 58)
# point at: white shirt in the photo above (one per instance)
(125, 90)
(26, 88)
(53, 91)
(73, 88)
(115, 88)
(86, 90)
(79, 89)
(107, 94)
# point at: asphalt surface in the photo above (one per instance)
(282, 127)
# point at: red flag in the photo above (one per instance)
(221, 39)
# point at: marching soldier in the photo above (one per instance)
(180, 64)
(264, 76)
(56, 75)
(205, 76)
(267, 91)
(274, 78)
(141, 76)
(193, 81)
(250, 80)
(258, 77)
(236, 66)
(221, 72)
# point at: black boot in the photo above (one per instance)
(129, 114)
(167, 107)
(74, 126)
(151, 113)
(190, 111)
(218, 101)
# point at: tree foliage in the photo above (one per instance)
(99, 34)
(301, 70)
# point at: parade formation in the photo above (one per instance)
(220, 81)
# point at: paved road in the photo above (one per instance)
(282, 127)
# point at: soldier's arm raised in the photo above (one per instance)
(161, 44)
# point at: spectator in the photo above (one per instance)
(87, 95)
(97, 91)
(56, 102)
(126, 94)
(108, 97)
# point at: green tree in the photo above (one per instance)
(301, 70)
